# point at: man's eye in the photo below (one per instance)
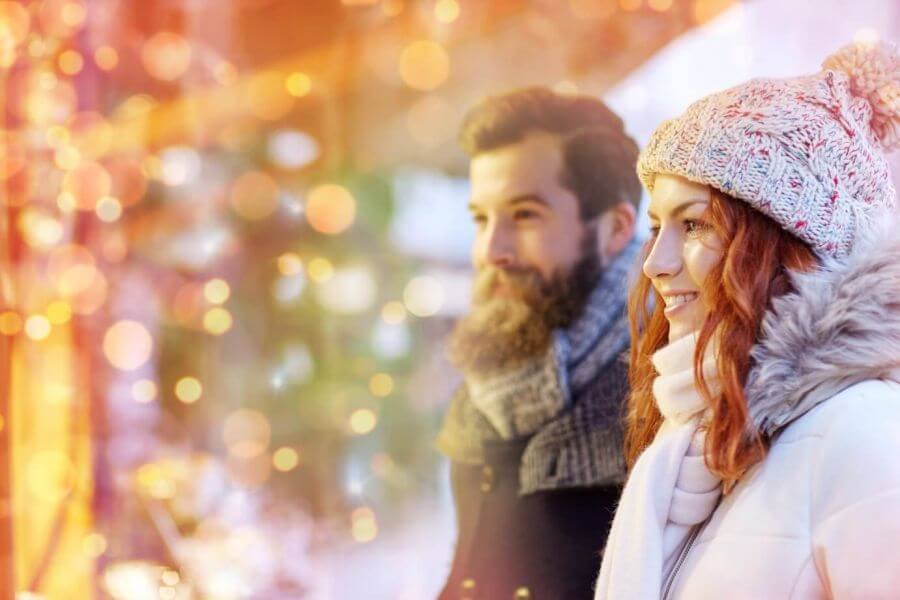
(520, 215)
(479, 220)
(654, 231)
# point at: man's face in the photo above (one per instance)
(535, 259)
(524, 217)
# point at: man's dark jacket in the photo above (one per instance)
(533, 513)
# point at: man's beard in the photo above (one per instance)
(504, 332)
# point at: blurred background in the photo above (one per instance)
(234, 237)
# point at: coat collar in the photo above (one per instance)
(841, 326)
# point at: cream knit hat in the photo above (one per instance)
(806, 151)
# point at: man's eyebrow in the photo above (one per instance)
(680, 208)
(515, 200)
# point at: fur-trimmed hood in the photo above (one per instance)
(841, 327)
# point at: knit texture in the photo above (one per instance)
(806, 151)
(573, 412)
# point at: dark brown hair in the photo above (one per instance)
(598, 156)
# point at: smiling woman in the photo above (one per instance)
(714, 266)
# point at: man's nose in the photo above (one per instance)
(664, 259)
(499, 246)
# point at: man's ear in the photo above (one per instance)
(615, 228)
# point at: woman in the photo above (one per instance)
(764, 419)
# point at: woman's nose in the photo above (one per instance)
(664, 259)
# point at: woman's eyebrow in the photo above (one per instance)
(680, 208)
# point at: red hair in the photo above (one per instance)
(756, 254)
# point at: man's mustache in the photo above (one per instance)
(522, 282)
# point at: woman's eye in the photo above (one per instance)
(479, 220)
(654, 231)
(694, 227)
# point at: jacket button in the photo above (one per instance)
(468, 587)
(523, 593)
(487, 479)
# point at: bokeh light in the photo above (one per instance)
(350, 291)
(254, 195)
(127, 345)
(320, 269)
(37, 327)
(14, 21)
(59, 312)
(39, 229)
(144, 391)
(446, 11)
(166, 56)
(188, 389)
(45, 107)
(423, 296)
(70, 62)
(298, 84)
(217, 321)
(216, 291)
(106, 58)
(381, 385)
(285, 459)
(363, 421)
(330, 208)
(108, 209)
(71, 267)
(364, 525)
(292, 149)
(180, 165)
(424, 65)
(290, 263)
(393, 312)
(246, 433)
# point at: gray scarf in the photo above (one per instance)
(568, 400)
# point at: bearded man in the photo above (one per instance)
(535, 433)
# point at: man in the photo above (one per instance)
(534, 435)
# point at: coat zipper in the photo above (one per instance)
(681, 558)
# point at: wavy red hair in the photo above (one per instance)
(757, 252)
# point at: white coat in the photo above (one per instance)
(819, 517)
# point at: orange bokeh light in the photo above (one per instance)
(166, 56)
(424, 65)
(330, 208)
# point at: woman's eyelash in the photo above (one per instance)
(695, 227)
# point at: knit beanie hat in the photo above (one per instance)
(807, 151)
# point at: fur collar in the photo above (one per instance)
(841, 327)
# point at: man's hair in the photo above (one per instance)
(598, 156)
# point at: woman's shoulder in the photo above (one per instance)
(857, 453)
(860, 405)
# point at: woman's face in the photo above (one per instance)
(685, 249)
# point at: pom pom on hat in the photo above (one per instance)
(874, 72)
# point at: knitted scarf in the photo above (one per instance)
(526, 400)
(669, 490)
